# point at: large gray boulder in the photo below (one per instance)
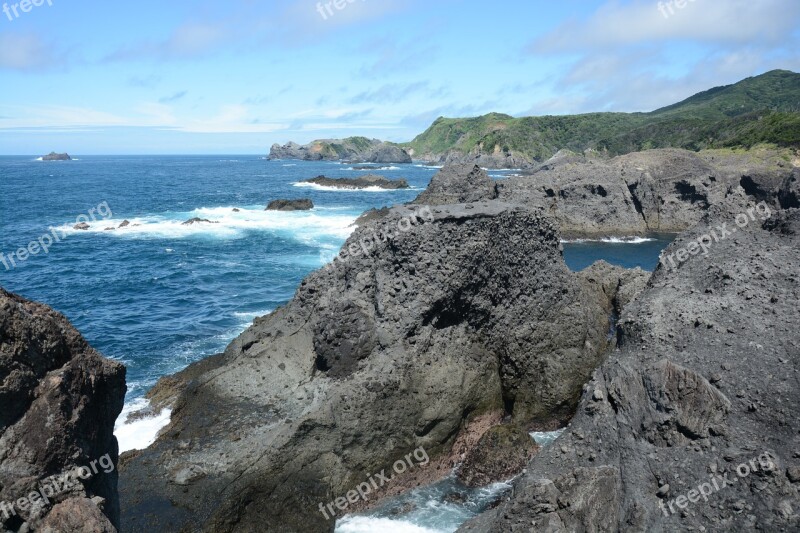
(691, 425)
(428, 319)
(59, 400)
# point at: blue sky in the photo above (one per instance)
(153, 77)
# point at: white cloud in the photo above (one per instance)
(641, 21)
(28, 52)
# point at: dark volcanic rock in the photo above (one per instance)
(501, 453)
(81, 226)
(469, 313)
(652, 191)
(59, 400)
(363, 182)
(197, 220)
(303, 204)
(458, 184)
(706, 381)
(52, 156)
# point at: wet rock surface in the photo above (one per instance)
(363, 182)
(303, 204)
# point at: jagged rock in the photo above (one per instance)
(52, 156)
(469, 312)
(704, 382)
(81, 226)
(372, 214)
(76, 515)
(501, 453)
(458, 184)
(789, 195)
(653, 191)
(363, 182)
(124, 224)
(59, 400)
(290, 205)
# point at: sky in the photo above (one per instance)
(235, 76)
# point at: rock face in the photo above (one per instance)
(59, 399)
(52, 156)
(501, 453)
(363, 182)
(458, 184)
(469, 312)
(703, 390)
(357, 149)
(654, 191)
(290, 205)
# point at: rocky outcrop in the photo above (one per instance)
(198, 220)
(458, 184)
(789, 195)
(363, 182)
(501, 453)
(653, 191)
(303, 204)
(59, 399)
(356, 149)
(52, 156)
(691, 425)
(468, 312)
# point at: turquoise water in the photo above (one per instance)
(159, 295)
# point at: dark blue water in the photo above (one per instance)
(159, 295)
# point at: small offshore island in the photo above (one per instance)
(53, 156)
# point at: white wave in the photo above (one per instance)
(435, 167)
(39, 159)
(365, 524)
(225, 223)
(289, 165)
(546, 438)
(612, 240)
(344, 189)
(372, 169)
(250, 316)
(142, 432)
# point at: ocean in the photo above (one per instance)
(159, 295)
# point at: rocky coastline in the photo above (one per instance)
(457, 335)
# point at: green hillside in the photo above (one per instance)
(762, 109)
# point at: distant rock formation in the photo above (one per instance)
(52, 156)
(665, 190)
(458, 184)
(59, 400)
(81, 226)
(356, 149)
(303, 204)
(362, 182)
